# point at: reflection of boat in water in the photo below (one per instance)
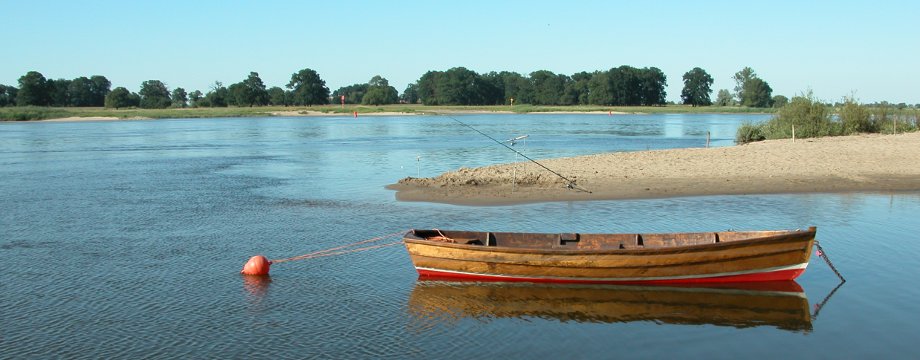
(779, 304)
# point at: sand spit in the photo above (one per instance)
(834, 164)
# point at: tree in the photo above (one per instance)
(757, 93)
(134, 100)
(81, 92)
(118, 98)
(697, 89)
(379, 92)
(218, 96)
(353, 94)
(194, 98)
(779, 101)
(515, 86)
(599, 92)
(276, 96)
(100, 88)
(624, 85)
(427, 87)
(493, 89)
(253, 91)
(288, 97)
(456, 86)
(308, 88)
(547, 87)
(375, 96)
(237, 96)
(741, 78)
(459, 87)
(58, 91)
(8, 95)
(154, 95)
(179, 98)
(724, 98)
(410, 95)
(33, 90)
(652, 84)
(576, 90)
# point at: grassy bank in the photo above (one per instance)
(43, 113)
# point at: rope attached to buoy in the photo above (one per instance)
(260, 265)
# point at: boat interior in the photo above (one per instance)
(578, 241)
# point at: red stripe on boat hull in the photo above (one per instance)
(779, 275)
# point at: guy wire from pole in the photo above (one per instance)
(570, 183)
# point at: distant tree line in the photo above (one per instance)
(377, 91)
(624, 85)
(305, 88)
(620, 86)
(35, 89)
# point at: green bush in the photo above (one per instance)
(749, 132)
(809, 117)
(855, 118)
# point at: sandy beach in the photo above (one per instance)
(835, 164)
(93, 118)
(311, 113)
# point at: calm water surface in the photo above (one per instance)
(124, 239)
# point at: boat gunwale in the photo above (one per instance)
(804, 235)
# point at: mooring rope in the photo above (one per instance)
(569, 182)
(823, 255)
(335, 250)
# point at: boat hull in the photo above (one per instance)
(777, 257)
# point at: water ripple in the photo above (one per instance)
(125, 239)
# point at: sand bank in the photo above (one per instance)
(327, 114)
(93, 118)
(834, 164)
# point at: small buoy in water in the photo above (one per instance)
(257, 265)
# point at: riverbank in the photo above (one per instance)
(30, 113)
(833, 164)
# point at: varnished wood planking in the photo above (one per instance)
(779, 249)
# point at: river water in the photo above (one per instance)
(124, 240)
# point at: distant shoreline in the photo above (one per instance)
(293, 113)
(825, 165)
(103, 114)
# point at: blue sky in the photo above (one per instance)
(834, 48)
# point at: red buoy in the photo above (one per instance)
(257, 265)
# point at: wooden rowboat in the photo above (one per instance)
(782, 305)
(728, 256)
